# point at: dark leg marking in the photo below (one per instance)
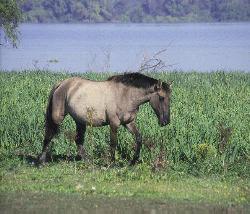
(80, 134)
(50, 132)
(138, 138)
(113, 141)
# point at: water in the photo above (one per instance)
(62, 203)
(123, 47)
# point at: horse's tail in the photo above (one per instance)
(50, 125)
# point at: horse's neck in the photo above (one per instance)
(143, 97)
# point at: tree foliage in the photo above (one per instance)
(135, 11)
(10, 16)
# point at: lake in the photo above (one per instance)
(125, 47)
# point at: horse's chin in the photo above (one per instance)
(162, 124)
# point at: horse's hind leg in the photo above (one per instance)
(114, 125)
(80, 133)
(55, 114)
(50, 131)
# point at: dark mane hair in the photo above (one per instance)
(134, 79)
(166, 87)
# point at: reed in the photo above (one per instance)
(208, 133)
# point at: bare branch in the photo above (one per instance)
(153, 64)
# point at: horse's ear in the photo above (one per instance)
(158, 86)
(170, 84)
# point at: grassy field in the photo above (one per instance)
(205, 148)
(139, 182)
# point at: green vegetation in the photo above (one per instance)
(135, 11)
(138, 182)
(10, 16)
(203, 155)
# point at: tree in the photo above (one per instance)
(10, 16)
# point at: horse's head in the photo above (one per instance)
(160, 102)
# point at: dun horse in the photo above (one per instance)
(112, 102)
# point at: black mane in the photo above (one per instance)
(166, 86)
(134, 79)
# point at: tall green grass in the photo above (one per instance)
(209, 130)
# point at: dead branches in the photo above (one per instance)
(155, 63)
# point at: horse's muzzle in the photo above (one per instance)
(164, 123)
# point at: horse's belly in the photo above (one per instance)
(94, 117)
(88, 114)
(88, 111)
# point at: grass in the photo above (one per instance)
(138, 182)
(203, 155)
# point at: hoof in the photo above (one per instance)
(40, 165)
(40, 161)
(79, 158)
(134, 162)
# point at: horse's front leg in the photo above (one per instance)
(138, 138)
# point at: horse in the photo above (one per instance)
(112, 102)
